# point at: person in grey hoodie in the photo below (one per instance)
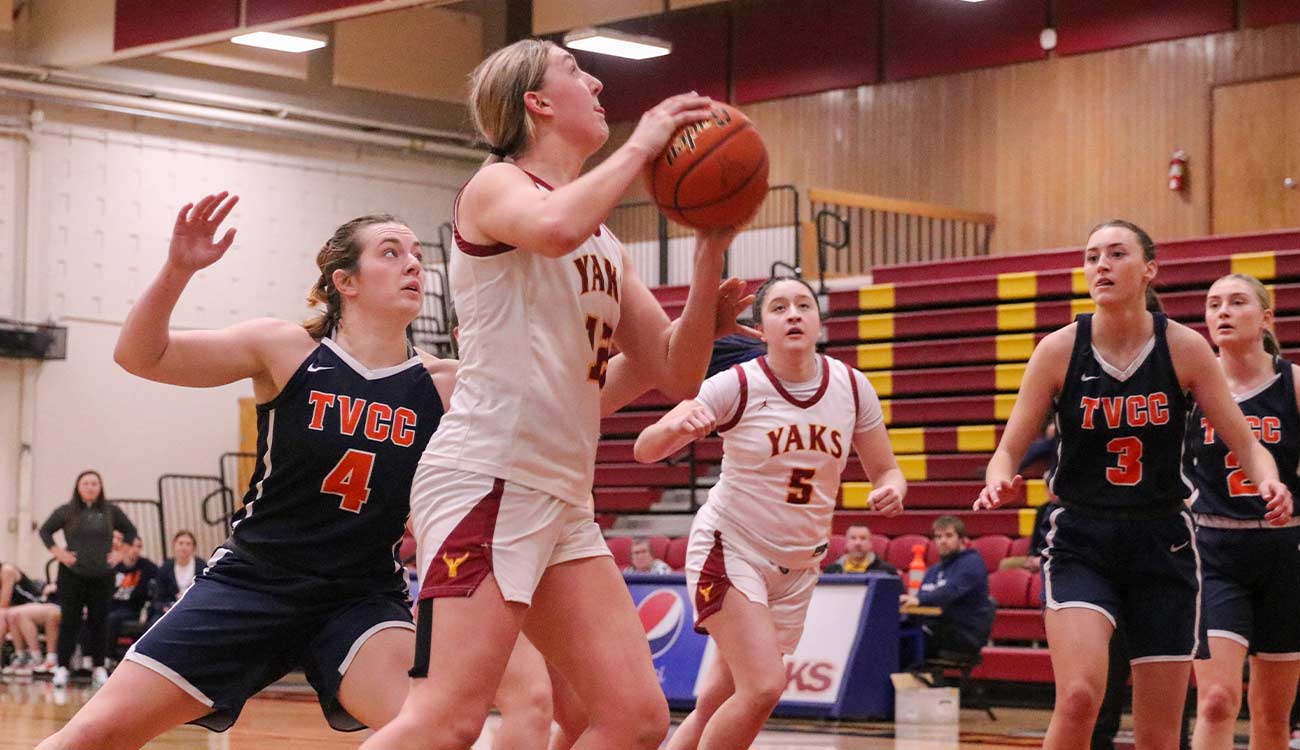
(959, 584)
(86, 577)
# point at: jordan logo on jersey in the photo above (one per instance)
(598, 274)
(705, 591)
(453, 563)
(1133, 411)
(379, 421)
(786, 439)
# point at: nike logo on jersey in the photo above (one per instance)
(379, 421)
(1134, 411)
(318, 368)
(454, 563)
(1086, 378)
(1176, 547)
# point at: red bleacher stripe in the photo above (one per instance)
(625, 498)
(1014, 664)
(920, 522)
(641, 475)
(1019, 625)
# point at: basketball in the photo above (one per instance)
(713, 174)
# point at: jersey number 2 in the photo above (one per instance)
(800, 489)
(1128, 472)
(350, 479)
(600, 335)
(1239, 485)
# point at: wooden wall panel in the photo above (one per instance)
(1050, 147)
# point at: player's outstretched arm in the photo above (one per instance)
(147, 346)
(684, 424)
(1042, 381)
(1205, 379)
(888, 485)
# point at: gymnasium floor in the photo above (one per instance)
(290, 720)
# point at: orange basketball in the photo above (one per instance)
(713, 174)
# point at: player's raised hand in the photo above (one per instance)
(193, 245)
(697, 422)
(1279, 500)
(732, 301)
(887, 500)
(659, 123)
(998, 491)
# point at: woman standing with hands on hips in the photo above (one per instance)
(1123, 546)
(86, 578)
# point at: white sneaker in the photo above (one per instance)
(47, 666)
(98, 677)
(19, 664)
(60, 678)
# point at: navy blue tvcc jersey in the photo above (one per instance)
(1222, 488)
(1121, 432)
(336, 450)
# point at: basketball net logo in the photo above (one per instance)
(453, 563)
(686, 141)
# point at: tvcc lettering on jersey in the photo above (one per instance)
(1265, 429)
(379, 421)
(786, 439)
(1134, 411)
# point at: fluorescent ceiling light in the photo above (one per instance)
(617, 43)
(281, 42)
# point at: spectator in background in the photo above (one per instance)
(176, 573)
(28, 609)
(86, 578)
(643, 559)
(136, 577)
(959, 584)
(16, 587)
(859, 555)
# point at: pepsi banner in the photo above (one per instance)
(840, 669)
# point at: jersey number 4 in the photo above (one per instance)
(350, 479)
(1128, 470)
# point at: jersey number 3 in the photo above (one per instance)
(350, 479)
(1128, 471)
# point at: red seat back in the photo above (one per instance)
(676, 554)
(621, 547)
(1010, 588)
(992, 547)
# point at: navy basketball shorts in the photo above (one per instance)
(1143, 573)
(244, 624)
(1252, 588)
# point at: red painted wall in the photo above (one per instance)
(1094, 25)
(141, 22)
(266, 11)
(791, 48)
(936, 37)
(1269, 12)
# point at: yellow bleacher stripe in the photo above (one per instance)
(913, 468)
(1078, 282)
(875, 356)
(1015, 347)
(876, 327)
(1260, 265)
(1002, 404)
(887, 410)
(976, 438)
(854, 495)
(876, 297)
(882, 382)
(1026, 517)
(1008, 377)
(1035, 492)
(1018, 285)
(1082, 305)
(907, 440)
(1019, 316)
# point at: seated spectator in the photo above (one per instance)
(958, 584)
(136, 579)
(16, 587)
(859, 555)
(21, 622)
(643, 560)
(176, 574)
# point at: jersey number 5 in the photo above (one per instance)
(600, 335)
(800, 489)
(1128, 471)
(350, 479)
